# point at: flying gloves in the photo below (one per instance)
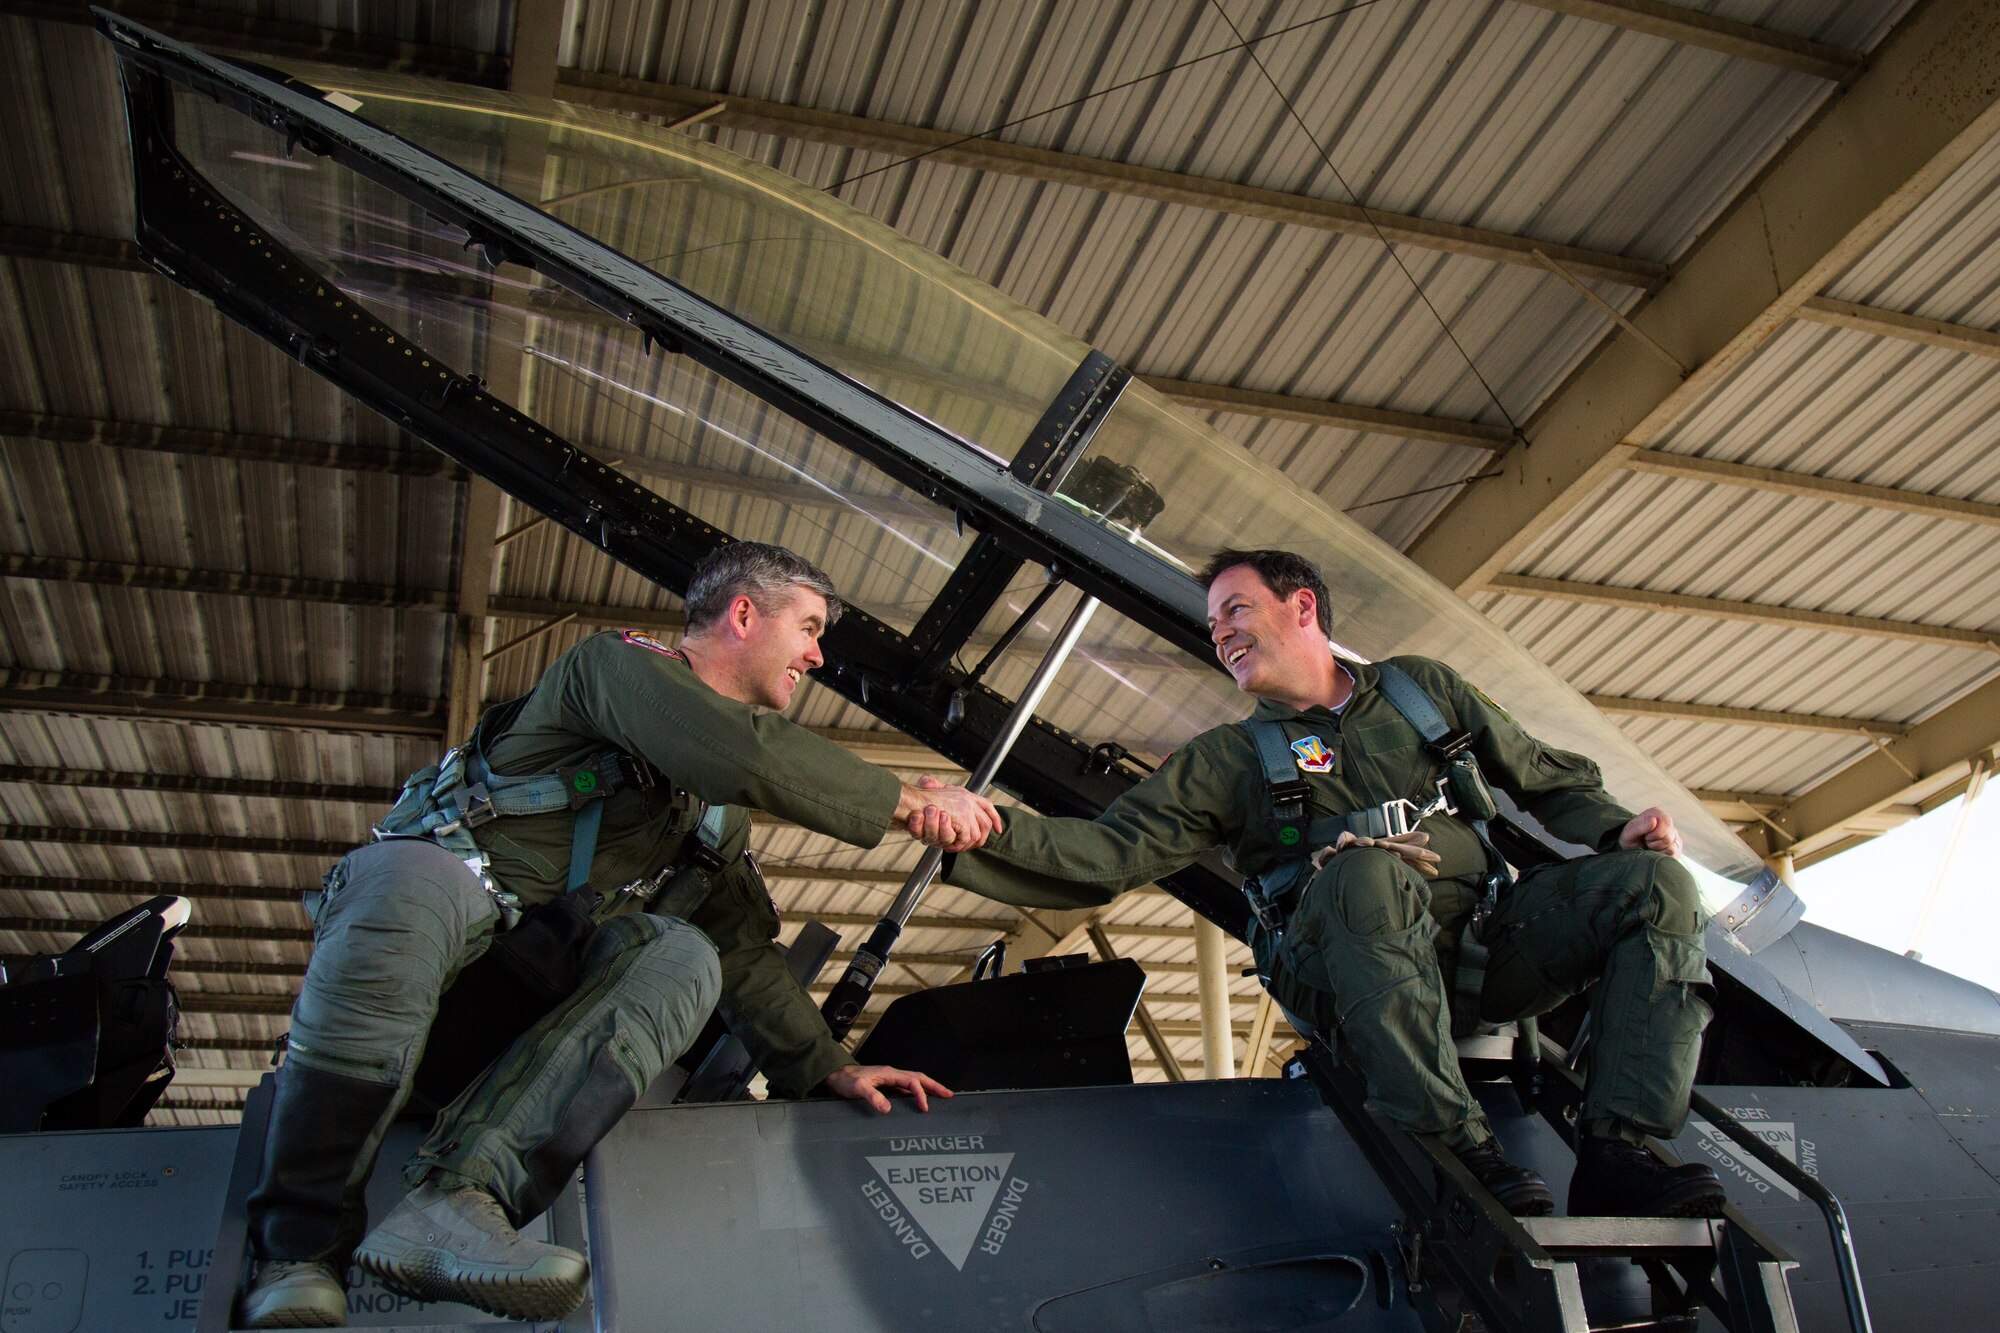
(1412, 848)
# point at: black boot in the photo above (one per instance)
(1619, 1179)
(307, 1204)
(1519, 1190)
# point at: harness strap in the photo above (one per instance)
(1281, 776)
(583, 845)
(1452, 748)
(1411, 700)
(707, 852)
(1271, 894)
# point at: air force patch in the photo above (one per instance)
(641, 639)
(1313, 755)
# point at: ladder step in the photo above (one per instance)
(1650, 1237)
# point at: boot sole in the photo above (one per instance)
(1686, 1202)
(549, 1288)
(331, 1312)
(289, 1319)
(1543, 1205)
(1699, 1205)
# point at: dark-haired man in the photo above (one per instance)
(619, 782)
(1304, 797)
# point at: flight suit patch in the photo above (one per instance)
(640, 639)
(1313, 756)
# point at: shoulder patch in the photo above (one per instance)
(1487, 700)
(640, 639)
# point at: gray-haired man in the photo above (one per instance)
(610, 774)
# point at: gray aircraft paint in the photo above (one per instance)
(114, 1231)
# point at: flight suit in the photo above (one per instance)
(400, 918)
(1359, 952)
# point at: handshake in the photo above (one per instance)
(951, 819)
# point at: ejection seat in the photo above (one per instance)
(86, 1035)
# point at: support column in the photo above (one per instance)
(1218, 1036)
(1780, 863)
(1257, 1054)
(1981, 768)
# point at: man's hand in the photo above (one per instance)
(1653, 830)
(866, 1083)
(950, 818)
(1412, 848)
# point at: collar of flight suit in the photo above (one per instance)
(1365, 678)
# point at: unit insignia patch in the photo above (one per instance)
(1313, 755)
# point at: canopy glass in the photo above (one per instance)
(893, 317)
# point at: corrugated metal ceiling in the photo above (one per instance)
(1489, 114)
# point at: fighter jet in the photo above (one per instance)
(780, 367)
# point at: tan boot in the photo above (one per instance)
(287, 1294)
(457, 1245)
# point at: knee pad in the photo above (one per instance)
(1673, 901)
(408, 883)
(675, 957)
(1368, 892)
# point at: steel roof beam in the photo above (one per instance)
(477, 553)
(290, 588)
(114, 253)
(1922, 108)
(239, 446)
(1686, 467)
(1908, 328)
(222, 582)
(611, 92)
(139, 890)
(532, 48)
(1938, 752)
(1621, 706)
(215, 1002)
(261, 1045)
(266, 39)
(1691, 27)
(1740, 807)
(111, 253)
(1321, 412)
(673, 622)
(262, 38)
(49, 925)
(194, 784)
(144, 699)
(1754, 613)
(160, 840)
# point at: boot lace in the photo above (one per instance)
(483, 1211)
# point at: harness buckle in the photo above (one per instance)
(1288, 799)
(1442, 804)
(1449, 746)
(1489, 903)
(1267, 913)
(1400, 816)
(475, 807)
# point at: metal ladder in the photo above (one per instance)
(1468, 1263)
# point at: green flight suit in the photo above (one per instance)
(400, 918)
(1360, 952)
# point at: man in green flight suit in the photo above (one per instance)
(671, 734)
(1348, 938)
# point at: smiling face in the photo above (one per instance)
(1271, 645)
(776, 646)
